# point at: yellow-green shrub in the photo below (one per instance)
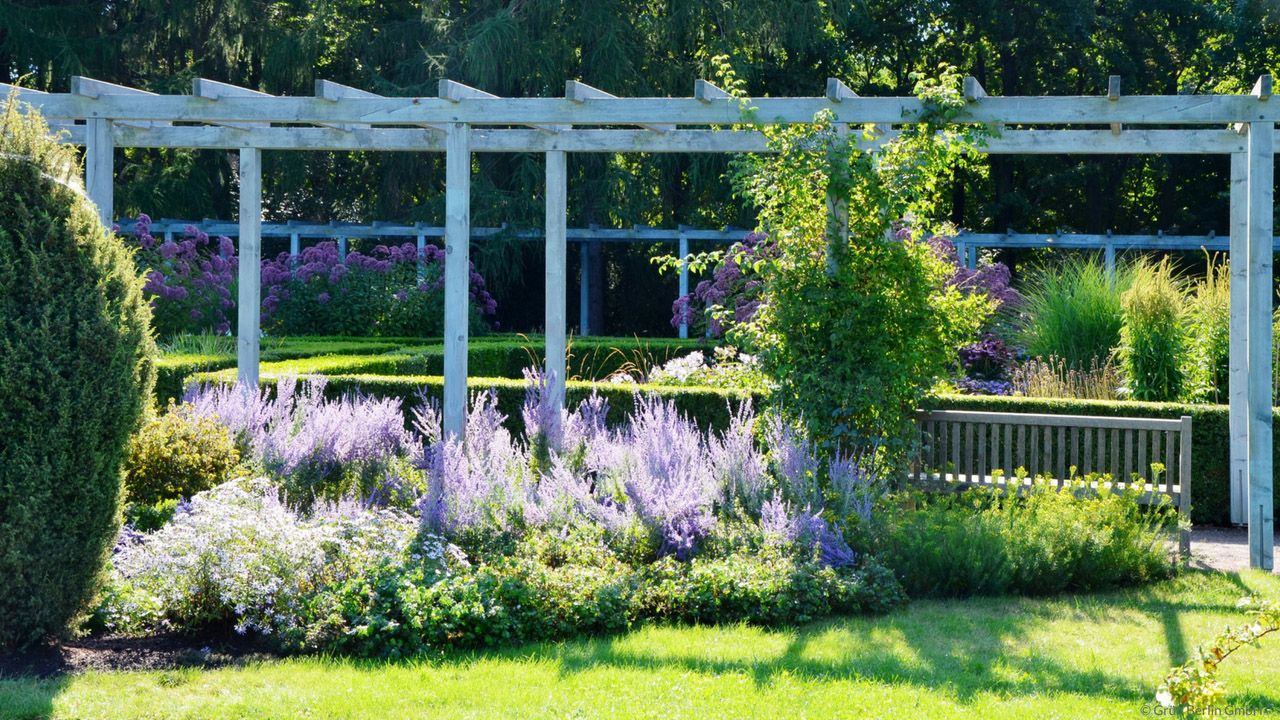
(176, 456)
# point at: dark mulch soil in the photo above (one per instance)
(119, 653)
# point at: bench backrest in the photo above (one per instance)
(963, 448)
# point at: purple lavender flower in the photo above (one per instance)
(794, 459)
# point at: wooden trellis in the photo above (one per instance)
(462, 120)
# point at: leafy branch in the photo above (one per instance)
(1195, 686)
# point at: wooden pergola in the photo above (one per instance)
(461, 120)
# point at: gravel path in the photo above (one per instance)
(1225, 549)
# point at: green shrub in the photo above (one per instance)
(1207, 365)
(78, 369)
(770, 589)
(1046, 541)
(175, 456)
(1071, 311)
(176, 365)
(149, 518)
(592, 358)
(1153, 339)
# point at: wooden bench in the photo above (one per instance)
(959, 449)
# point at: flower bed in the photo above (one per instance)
(363, 537)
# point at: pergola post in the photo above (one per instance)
(250, 259)
(457, 275)
(557, 209)
(99, 172)
(584, 291)
(1261, 183)
(1110, 260)
(1238, 392)
(422, 250)
(684, 277)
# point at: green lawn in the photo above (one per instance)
(1088, 656)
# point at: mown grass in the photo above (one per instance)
(1087, 656)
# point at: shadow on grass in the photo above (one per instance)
(960, 647)
(963, 664)
(29, 698)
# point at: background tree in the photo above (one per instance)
(649, 47)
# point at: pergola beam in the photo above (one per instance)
(456, 92)
(705, 92)
(582, 92)
(838, 92)
(214, 90)
(707, 109)
(334, 92)
(90, 88)
(1019, 142)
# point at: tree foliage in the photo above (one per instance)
(649, 48)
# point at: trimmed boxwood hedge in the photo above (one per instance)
(1210, 438)
(173, 369)
(488, 356)
(709, 407)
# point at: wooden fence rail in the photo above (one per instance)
(961, 449)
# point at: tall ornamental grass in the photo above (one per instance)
(1207, 365)
(1153, 340)
(1071, 311)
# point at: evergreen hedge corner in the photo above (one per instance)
(78, 370)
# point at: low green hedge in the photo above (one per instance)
(709, 407)
(173, 369)
(1210, 438)
(502, 356)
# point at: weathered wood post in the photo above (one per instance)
(250, 259)
(557, 208)
(457, 275)
(684, 277)
(1238, 356)
(99, 172)
(1261, 294)
(584, 290)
